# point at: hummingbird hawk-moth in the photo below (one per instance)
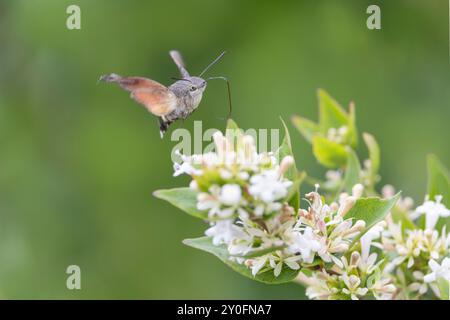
(171, 103)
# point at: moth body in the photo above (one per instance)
(169, 104)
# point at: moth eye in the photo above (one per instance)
(193, 88)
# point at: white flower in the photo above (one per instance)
(333, 175)
(224, 232)
(383, 289)
(268, 187)
(352, 283)
(357, 190)
(420, 286)
(185, 168)
(433, 210)
(277, 261)
(306, 244)
(388, 191)
(257, 264)
(319, 284)
(210, 201)
(222, 202)
(337, 135)
(230, 194)
(366, 240)
(442, 270)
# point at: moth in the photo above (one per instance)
(171, 103)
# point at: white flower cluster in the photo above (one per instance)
(235, 180)
(415, 256)
(245, 195)
(419, 254)
(339, 135)
(357, 278)
(316, 235)
(357, 273)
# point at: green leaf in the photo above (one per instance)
(438, 184)
(371, 210)
(221, 252)
(306, 127)
(233, 133)
(286, 150)
(352, 130)
(352, 171)
(231, 125)
(232, 129)
(293, 197)
(259, 252)
(438, 180)
(184, 199)
(292, 174)
(374, 156)
(329, 153)
(331, 114)
(444, 287)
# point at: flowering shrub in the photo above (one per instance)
(345, 240)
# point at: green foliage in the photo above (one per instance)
(438, 179)
(374, 156)
(332, 153)
(306, 127)
(233, 132)
(352, 130)
(182, 198)
(286, 150)
(232, 125)
(438, 184)
(444, 288)
(352, 172)
(328, 153)
(331, 114)
(293, 197)
(292, 173)
(221, 252)
(371, 211)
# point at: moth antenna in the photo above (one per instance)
(230, 107)
(212, 63)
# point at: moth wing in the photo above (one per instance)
(157, 98)
(178, 59)
(159, 101)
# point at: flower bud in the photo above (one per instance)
(388, 191)
(355, 259)
(357, 190)
(334, 207)
(359, 225)
(193, 185)
(286, 163)
(347, 204)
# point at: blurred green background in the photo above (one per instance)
(79, 161)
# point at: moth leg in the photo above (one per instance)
(164, 125)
